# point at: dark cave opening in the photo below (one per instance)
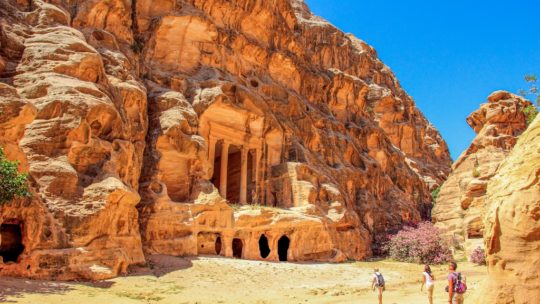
(264, 249)
(283, 248)
(237, 246)
(11, 245)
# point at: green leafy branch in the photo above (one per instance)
(12, 183)
(531, 93)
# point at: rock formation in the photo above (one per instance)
(512, 225)
(249, 128)
(76, 119)
(461, 203)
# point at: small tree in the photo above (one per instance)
(422, 244)
(478, 256)
(12, 183)
(531, 93)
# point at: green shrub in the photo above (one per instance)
(12, 183)
(137, 46)
(531, 78)
(530, 112)
(435, 193)
(532, 93)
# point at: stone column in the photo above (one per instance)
(243, 176)
(258, 175)
(211, 156)
(223, 173)
(226, 249)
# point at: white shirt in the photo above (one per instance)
(429, 280)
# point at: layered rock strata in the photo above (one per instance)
(76, 119)
(512, 225)
(247, 129)
(461, 203)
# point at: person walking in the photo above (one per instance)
(428, 280)
(456, 285)
(378, 281)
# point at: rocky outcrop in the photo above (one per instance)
(247, 128)
(461, 203)
(512, 224)
(78, 127)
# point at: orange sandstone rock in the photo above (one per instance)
(79, 130)
(250, 129)
(461, 204)
(512, 224)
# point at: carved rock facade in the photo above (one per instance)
(247, 128)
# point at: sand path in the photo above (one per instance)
(221, 280)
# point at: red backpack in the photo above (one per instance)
(459, 286)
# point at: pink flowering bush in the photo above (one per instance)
(422, 244)
(478, 256)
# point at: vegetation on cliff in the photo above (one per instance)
(532, 92)
(12, 183)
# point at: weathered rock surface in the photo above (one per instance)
(461, 204)
(186, 109)
(79, 129)
(512, 224)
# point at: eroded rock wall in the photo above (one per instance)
(512, 224)
(186, 108)
(341, 114)
(461, 204)
(78, 126)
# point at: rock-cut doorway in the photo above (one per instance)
(283, 248)
(11, 245)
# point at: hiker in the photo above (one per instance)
(456, 285)
(428, 279)
(378, 281)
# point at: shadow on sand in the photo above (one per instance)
(160, 265)
(12, 288)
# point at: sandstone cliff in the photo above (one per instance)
(461, 204)
(512, 225)
(248, 128)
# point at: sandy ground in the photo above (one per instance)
(221, 280)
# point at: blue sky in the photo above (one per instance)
(449, 55)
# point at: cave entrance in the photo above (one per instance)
(218, 245)
(208, 243)
(235, 182)
(475, 229)
(283, 248)
(232, 168)
(237, 246)
(264, 249)
(11, 245)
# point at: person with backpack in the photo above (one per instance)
(378, 281)
(456, 285)
(428, 279)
